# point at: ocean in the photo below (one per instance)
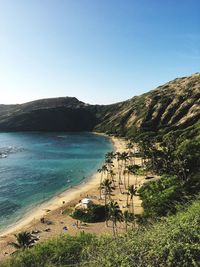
(35, 166)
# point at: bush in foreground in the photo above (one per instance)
(65, 250)
(173, 242)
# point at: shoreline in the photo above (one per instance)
(54, 202)
(57, 210)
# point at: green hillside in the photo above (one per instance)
(173, 105)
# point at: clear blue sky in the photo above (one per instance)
(100, 51)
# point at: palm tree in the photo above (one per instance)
(132, 190)
(124, 173)
(107, 187)
(109, 163)
(132, 157)
(119, 170)
(124, 157)
(112, 175)
(110, 155)
(129, 146)
(142, 155)
(103, 170)
(127, 198)
(115, 215)
(128, 171)
(127, 218)
(24, 240)
(118, 154)
(134, 170)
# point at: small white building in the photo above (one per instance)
(85, 202)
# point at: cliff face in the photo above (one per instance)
(174, 104)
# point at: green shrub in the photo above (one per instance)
(172, 242)
(61, 251)
(94, 213)
(161, 197)
(67, 211)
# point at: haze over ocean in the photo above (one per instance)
(35, 166)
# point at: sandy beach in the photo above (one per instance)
(57, 210)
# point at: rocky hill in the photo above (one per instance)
(55, 114)
(175, 104)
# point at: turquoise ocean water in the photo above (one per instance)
(35, 166)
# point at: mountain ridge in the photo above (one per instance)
(174, 104)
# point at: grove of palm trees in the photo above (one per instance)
(120, 181)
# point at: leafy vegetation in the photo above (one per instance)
(173, 242)
(24, 240)
(115, 215)
(161, 197)
(67, 211)
(62, 251)
(94, 213)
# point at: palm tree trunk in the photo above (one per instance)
(113, 227)
(128, 179)
(116, 228)
(125, 181)
(126, 225)
(133, 211)
(100, 184)
(119, 183)
(134, 156)
(127, 199)
(113, 181)
(106, 210)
